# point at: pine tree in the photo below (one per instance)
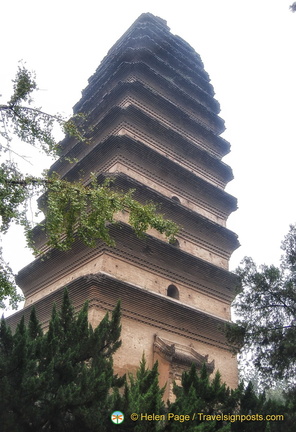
(61, 380)
(143, 395)
(200, 394)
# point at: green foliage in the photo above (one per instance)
(12, 208)
(200, 394)
(29, 123)
(143, 395)
(72, 209)
(23, 85)
(266, 309)
(61, 380)
(12, 196)
(7, 285)
(202, 398)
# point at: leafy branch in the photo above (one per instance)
(265, 330)
(73, 210)
(30, 124)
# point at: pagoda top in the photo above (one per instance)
(146, 21)
(149, 39)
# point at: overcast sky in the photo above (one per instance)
(248, 49)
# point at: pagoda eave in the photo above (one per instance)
(163, 313)
(155, 255)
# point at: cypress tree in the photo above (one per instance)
(61, 380)
(143, 395)
(199, 394)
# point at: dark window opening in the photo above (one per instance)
(174, 242)
(175, 198)
(173, 292)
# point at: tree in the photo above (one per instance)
(61, 380)
(143, 395)
(64, 381)
(293, 7)
(266, 308)
(199, 394)
(72, 209)
(212, 406)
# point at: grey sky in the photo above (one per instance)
(248, 49)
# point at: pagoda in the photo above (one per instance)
(155, 128)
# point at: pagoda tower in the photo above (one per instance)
(156, 129)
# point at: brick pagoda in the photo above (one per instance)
(156, 129)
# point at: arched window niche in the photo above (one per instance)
(172, 291)
(174, 242)
(175, 198)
